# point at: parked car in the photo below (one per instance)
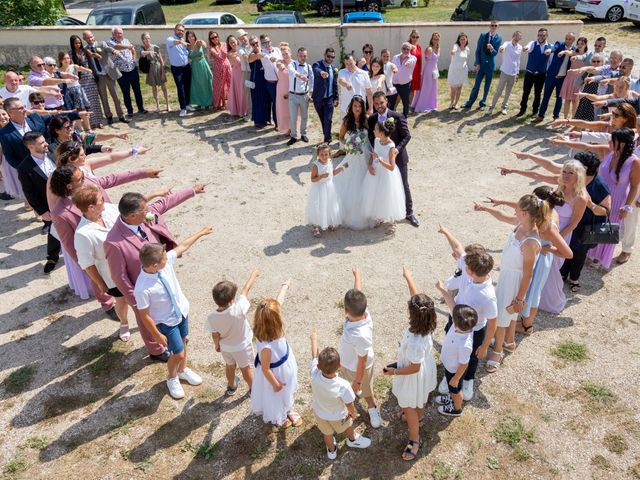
(66, 21)
(566, 5)
(279, 3)
(609, 10)
(501, 10)
(128, 12)
(211, 18)
(634, 12)
(363, 17)
(280, 17)
(327, 7)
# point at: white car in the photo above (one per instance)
(634, 12)
(211, 18)
(609, 10)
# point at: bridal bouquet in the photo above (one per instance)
(355, 142)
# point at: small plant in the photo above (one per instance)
(15, 465)
(381, 386)
(19, 379)
(258, 452)
(521, 454)
(122, 427)
(511, 430)
(145, 465)
(492, 463)
(571, 351)
(206, 450)
(187, 446)
(615, 443)
(125, 453)
(598, 393)
(600, 462)
(39, 443)
(441, 471)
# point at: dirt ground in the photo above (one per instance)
(75, 401)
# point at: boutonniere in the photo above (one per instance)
(151, 217)
(98, 50)
(335, 71)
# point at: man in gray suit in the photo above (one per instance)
(105, 72)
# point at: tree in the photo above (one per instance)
(16, 13)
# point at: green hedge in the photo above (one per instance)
(16, 13)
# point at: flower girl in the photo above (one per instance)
(323, 205)
(382, 191)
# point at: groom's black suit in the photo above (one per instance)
(400, 137)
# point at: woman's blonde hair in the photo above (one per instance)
(285, 45)
(578, 169)
(537, 209)
(267, 322)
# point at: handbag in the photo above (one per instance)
(436, 74)
(144, 64)
(601, 233)
(250, 83)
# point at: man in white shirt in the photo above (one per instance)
(300, 90)
(509, 70)
(13, 89)
(244, 50)
(270, 55)
(178, 52)
(353, 81)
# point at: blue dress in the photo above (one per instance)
(259, 108)
(540, 274)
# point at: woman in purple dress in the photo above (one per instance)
(426, 100)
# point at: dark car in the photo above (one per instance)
(65, 21)
(501, 10)
(280, 17)
(128, 12)
(279, 3)
(327, 7)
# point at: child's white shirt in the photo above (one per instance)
(232, 325)
(456, 349)
(330, 395)
(481, 297)
(460, 275)
(356, 341)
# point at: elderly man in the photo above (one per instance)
(270, 55)
(140, 223)
(125, 61)
(100, 57)
(325, 90)
(244, 50)
(353, 81)
(300, 91)
(14, 89)
(39, 77)
(178, 51)
(405, 63)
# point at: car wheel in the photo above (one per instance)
(372, 6)
(615, 14)
(325, 9)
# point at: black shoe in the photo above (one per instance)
(109, 120)
(520, 113)
(112, 314)
(304, 139)
(45, 229)
(49, 266)
(143, 111)
(292, 141)
(466, 105)
(163, 357)
(123, 119)
(5, 196)
(413, 220)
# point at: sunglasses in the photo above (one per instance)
(415, 36)
(405, 49)
(368, 52)
(40, 64)
(266, 42)
(37, 102)
(330, 56)
(568, 173)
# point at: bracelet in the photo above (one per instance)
(134, 152)
(517, 300)
(627, 208)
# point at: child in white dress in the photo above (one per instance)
(276, 376)
(323, 205)
(383, 193)
(414, 374)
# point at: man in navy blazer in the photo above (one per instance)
(325, 91)
(559, 64)
(486, 50)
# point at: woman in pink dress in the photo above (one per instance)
(426, 100)
(573, 81)
(416, 80)
(282, 91)
(221, 71)
(237, 102)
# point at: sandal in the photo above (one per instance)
(491, 366)
(316, 232)
(123, 333)
(294, 419)
(509, 347)
(391, 230)
(409, 455)
(575, 286)
(523, 329)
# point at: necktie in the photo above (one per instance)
(172, 297)
(330, 83)
(142, 233)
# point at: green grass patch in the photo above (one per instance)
(441, 471)
(597, 395)
(122, 427)
(512, 431)
(38, 443)
(206, 450)
(19, 379)
(521, 454)
(16, 465)
(382, 386)
(600, 462)
(491, 462)
(571, 351)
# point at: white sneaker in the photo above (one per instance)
(467, 390)
(359, 442)
(333, 455)
(175, 389)
(189, 376)
(503, 111)
(183, 113)
(443, 388)
(190, 108)
(374, 417)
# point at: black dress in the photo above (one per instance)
(585, 107)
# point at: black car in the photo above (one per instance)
(279, 3)
(501, 10)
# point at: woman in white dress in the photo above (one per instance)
(458, 69)
(383, 193)
(414, 374)
(355, 142)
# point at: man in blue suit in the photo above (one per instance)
(325, 91)
(556, 73)
(486, 50)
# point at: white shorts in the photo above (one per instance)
(242, 358)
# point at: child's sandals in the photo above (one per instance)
(123, 333)
(391, 230)
(294, 419)
(409, 455)
(509, 347)
(491, 366)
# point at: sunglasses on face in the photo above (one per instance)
(368, 52)
(330, 56)
(568, 173)
(40, 64)
(405, 49)
(37, 102)
(266, 42)
(415, 36)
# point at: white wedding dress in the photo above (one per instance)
(349, 184)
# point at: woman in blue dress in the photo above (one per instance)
(259, 108)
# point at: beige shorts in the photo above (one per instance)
(242, 359)
(329, 427)
(367, 378)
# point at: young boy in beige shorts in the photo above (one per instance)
(333, 400)
(231, 332)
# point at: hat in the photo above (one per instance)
(49, 61)
(240, 32)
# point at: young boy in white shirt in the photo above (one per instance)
(165, 310)
(333, 400)
(356, 347)
(231, 332)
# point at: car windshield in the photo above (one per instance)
(111, 17)
(276, 19)
(201, 21)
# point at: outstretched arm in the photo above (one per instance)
(553, 179)
(283, 292)
(545, 163)
(186, 244)
(454, 243)
(497, 214)
(97, 161)
(357, 278)
(252, 278)
(314, 343)
(448, 298)
(410, 283)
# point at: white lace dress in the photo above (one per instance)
(323, 204)
(349, 183)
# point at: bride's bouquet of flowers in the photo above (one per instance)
(354, 143)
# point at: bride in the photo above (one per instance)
(355, 142)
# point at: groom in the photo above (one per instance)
(400, 136)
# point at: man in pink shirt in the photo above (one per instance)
(39, 77)
(402, 78)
